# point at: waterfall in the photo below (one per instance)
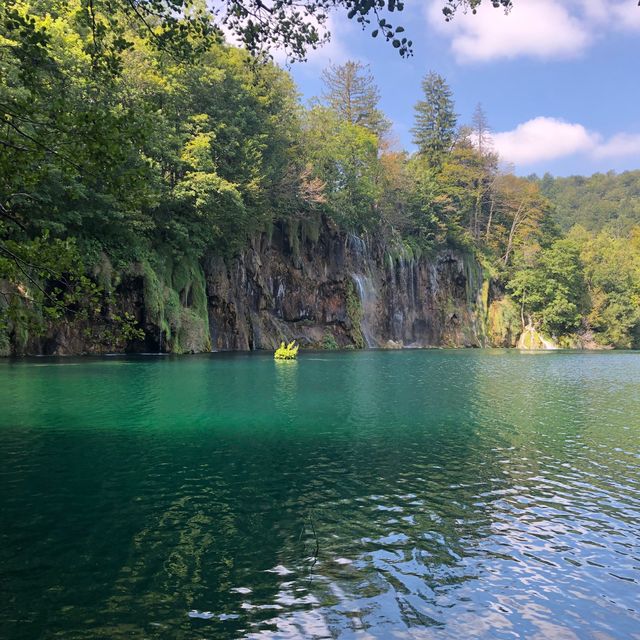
(365, 287)
(367, 295)
(357, 245)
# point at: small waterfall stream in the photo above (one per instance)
(365, 288)
(367, 295)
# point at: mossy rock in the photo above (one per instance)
(355, 314)
(329, 342)
(503, 323)
(176, 302)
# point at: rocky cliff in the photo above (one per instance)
(329, 286)
(304, 281)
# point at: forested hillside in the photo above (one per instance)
(142, 149)
(602, 201)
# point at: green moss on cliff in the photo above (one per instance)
(503, 323)
(403, 249)
(329, 341)
(354, 313)
(176, 302)
(5, 342)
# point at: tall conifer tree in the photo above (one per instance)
(435, 121)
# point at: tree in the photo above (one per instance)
(456, 179)
(612, 274)
(396, 188)
(158, 161)
(184, 26)
(297, 25)
(602, 201)
(435, 120)
(521, 212)
(148, 146)
(345, 159)
(481, 130)
(259, 26)
(551, 292)
(351, 92)
(452, 6)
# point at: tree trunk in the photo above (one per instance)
(517, 220)
(493, 201)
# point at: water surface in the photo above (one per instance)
(413, 494)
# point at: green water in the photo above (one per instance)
(413, 494)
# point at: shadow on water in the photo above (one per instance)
(375, 494)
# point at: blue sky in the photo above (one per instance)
(558, 79)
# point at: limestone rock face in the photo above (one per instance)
(314, 284)
(284, 288)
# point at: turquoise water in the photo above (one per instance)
(412, 494)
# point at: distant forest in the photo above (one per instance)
(603, 201)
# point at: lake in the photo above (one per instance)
(399, 494)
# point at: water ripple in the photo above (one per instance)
(370, 495)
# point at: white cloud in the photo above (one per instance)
(617, 14)
(544, 29)
(620, 145)
(595, 10)
(537, 28)
(627, 15)
(543, 139)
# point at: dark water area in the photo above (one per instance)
(413, 494)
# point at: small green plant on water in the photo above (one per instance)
(287, 351)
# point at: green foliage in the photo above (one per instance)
(435, 123)
(297, 26)
(351, 93)
(159, 154)
(612, 274)
(183, 28)
(44, 282)
(355, 314)
(176, 303)
(329, 341)
(602, 201)
(551, 290)
(345, 159)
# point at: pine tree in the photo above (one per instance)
(351, 91)
(435, 123)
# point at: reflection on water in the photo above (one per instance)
(357, 495)
(286, 386)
